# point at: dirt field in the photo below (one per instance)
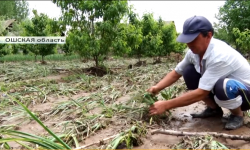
(72, 102)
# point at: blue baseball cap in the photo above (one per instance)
(192, 28)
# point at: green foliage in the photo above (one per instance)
(94, 25)
(1, 26)
(129, 38)
(233, 14)
(5, 49)
(149, 25)
(158, 38)
(220, 32)
(96, 31)
(133, 17)
(80, 43)
(242, 39)
(129, 137)
(21, 9)
(149, 99)
(14, 9)
(150, 39)
(42, 25)
(66, 47)
(120, 46)
(179, 47)
(24, 137)
(17, 30)
(168, 38)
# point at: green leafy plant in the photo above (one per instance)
(149, 99)
(20, 136)
(128, 138)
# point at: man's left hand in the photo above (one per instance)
(157, 108)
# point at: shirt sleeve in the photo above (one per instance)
(181, 65)
(213, 73)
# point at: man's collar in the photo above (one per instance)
(209, 48)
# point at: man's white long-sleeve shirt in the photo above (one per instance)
(219, 61)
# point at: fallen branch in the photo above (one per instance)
(215, 134)
(108, 138)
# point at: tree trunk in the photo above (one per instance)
(92, 24)
(35, 58)
(92, 28)
(96, 61)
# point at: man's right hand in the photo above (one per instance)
(154, 90)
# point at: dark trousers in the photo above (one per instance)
(192, 77)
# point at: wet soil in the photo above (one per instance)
(181, 121)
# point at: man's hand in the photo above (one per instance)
(154, 90)
(158, 108)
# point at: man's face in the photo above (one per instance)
(200, 43)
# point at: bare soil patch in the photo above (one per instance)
(97, 71)
(58, 78)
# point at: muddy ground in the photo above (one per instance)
(136, 79)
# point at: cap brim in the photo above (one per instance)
(187, 38)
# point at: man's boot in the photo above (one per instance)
(233, 122)
(209, 112)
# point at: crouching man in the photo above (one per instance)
(215, 72)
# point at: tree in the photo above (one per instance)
(42, 25)
(157, 38)
(94, 25)
(234, 14)
(5, 49)
(179, 47)
(66, 47)
(129, 38)
(151, 39)
(120, 45)
(168, 38)
(21, 8)
(221, 32)
(14, 9)
(129, 35)
(243, 40)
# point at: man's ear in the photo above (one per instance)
(209, 35)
